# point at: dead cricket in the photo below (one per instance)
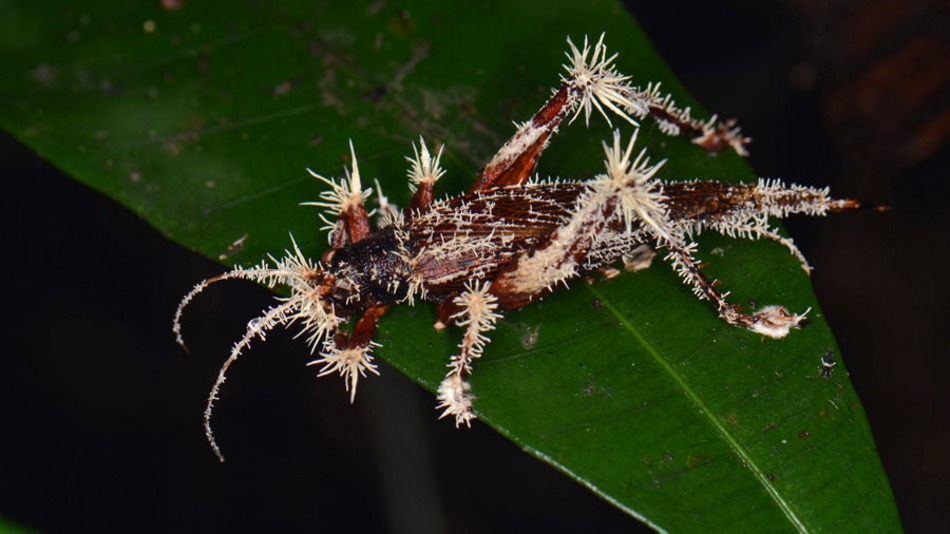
(513, 238)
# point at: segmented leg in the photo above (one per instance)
(534, 274)
(592, 82)
(627, 192)
(352, 356)
(345, 201)
(516, 160)
(787, 242)
(424, 172)
(478, 316)
(771, 321)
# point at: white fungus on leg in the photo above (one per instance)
(478, 316)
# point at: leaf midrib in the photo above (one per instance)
(744, 456)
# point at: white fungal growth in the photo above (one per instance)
(345, 195)
(305, 306)
(629, 190)
(455, 399)
(776, 321)
(602, 87)
(600, 84)
(423, 168)
(351, 363)
(478, 316)
(512, 239)
(387, 214)
(256, 328)
(293, 270)
(768, 198)
(639, 195)
(524, 138)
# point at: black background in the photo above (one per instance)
(101, 410)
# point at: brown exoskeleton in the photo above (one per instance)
(512, 239)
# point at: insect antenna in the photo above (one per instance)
(261, 274)
(256, 328)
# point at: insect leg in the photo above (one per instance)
(604, 87)
(424, 172)
(351, 356)
(787, 242)
(478, 315)
(534, 273)
(588, 82)
(345, 201)
(517, 158)
(592, 82)
(627, 195)
(771, 321)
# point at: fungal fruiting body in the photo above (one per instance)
(513, 239)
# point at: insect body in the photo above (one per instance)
(513, 239)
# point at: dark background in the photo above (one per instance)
(101, 410)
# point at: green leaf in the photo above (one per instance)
(203, 119)
(9, 527)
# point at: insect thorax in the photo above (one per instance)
(371, 272)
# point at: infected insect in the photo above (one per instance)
(512, 238)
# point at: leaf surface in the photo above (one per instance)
(202, 121)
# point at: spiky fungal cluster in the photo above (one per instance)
(513, 239)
